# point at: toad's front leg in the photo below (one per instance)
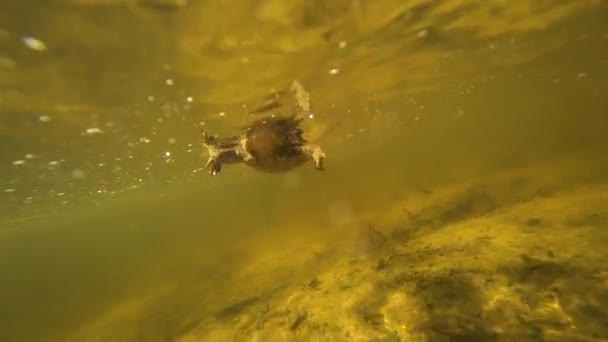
(214, 165)
(316, 154)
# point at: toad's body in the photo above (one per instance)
(270, 145)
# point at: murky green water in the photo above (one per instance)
(465, 194)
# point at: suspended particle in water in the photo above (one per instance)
(34, 43)
(169, 82)
(581, 75)
(311, 116)
(19, 162)
(342, 44)
(10, 190)
(422, 33)
(189, 99)
(171, 141)
(334, 71)
(93, 130)
(44, 118)
(144, 140)
(29, 156)
(52, 164)
(6, 62)
(151, 98)
(78, 174)
(167, 154)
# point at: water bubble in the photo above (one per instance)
(311, 116)
(44, 118)
(19, 162)
(167, 154)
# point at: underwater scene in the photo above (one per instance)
(303, 170)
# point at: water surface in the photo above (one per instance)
(465, 194)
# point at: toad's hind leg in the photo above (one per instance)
(316, 154)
